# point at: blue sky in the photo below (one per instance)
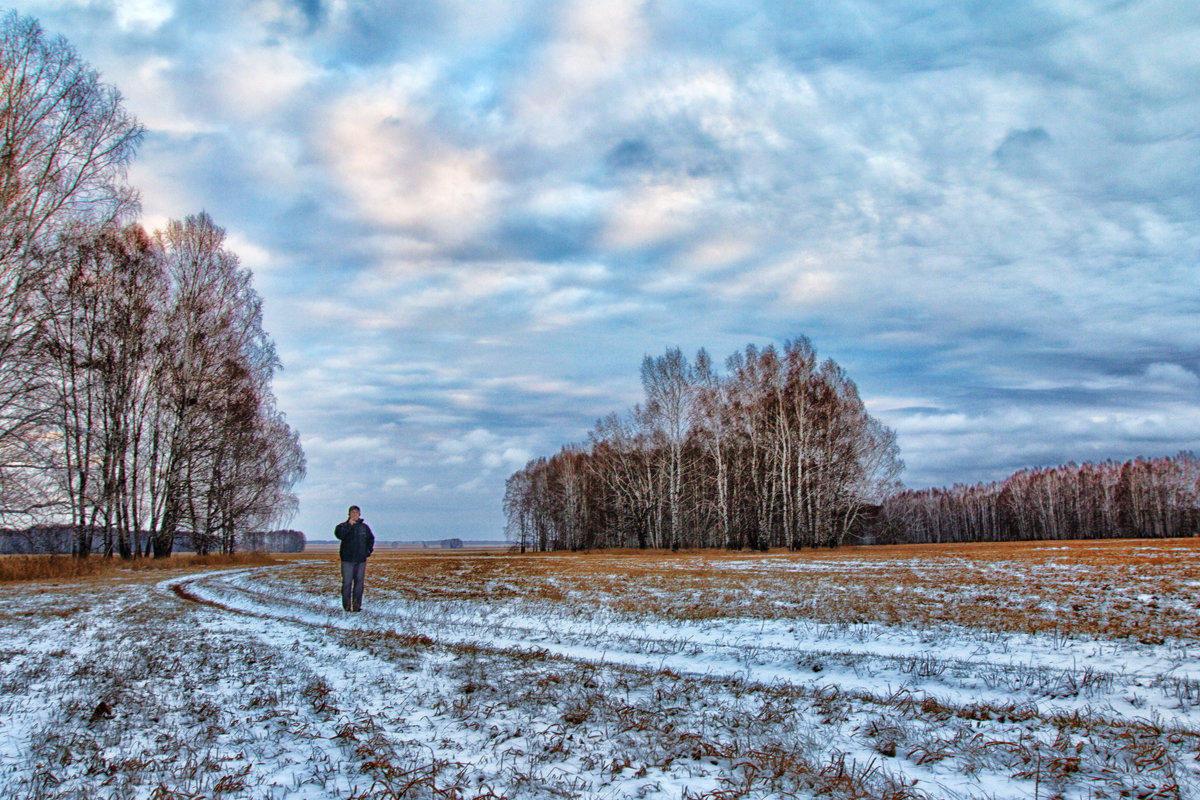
(471, 219)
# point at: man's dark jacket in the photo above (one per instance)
(357, 540)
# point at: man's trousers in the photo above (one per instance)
(353, 574)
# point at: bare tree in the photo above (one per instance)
(131, 331)
(712, 425)
(622, 461)
(670, 387)
(518, 500)
(73, 301)
(65, 142)
(212, 379)
(257, 468)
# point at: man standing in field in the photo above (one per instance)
(357, 544)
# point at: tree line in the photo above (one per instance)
(62, 539)
(135, 373)
(776, 451)
(1140, 498)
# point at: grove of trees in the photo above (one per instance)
(1142, 498)
(135, 374)
(778, 451)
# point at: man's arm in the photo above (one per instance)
(370, 539)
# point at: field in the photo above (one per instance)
(1065, 669)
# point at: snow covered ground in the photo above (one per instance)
(254, 683)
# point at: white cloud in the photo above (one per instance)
(143, 15)
(474, 485)
(485, 448)
(151, 93)
(251, 255)
(572, 201)
(399, 172)
(346, 447)
(513, 458)
(657, 211)
(592, 43)
(1172, 375)
(543, 385)
(257, 80)
(724, 249)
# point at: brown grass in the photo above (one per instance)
(19, 568)
(1139, 589)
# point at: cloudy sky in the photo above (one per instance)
(470, 219)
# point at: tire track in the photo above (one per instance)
(953, 684)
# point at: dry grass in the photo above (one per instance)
(1139, 589)
(20, 568)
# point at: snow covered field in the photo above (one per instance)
(1055, 670)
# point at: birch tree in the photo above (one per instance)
(670, 388)
(65, 144)
(212, 379)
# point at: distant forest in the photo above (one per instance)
(1143, 498)
(135, 374)
(779, 451)
(62, 539)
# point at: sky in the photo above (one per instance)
(470, 220)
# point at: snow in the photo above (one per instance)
(253, 682)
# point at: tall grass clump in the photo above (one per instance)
(49, 567)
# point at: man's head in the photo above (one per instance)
(354, 513)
